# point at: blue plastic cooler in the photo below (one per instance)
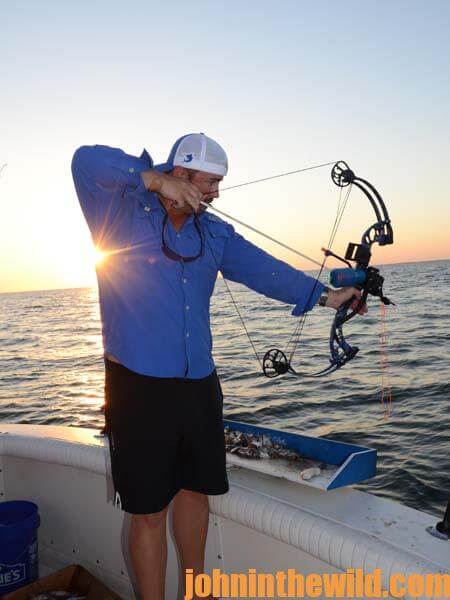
(19, 565)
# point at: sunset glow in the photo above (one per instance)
(99, 256)
(280, 105)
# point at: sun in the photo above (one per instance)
(99, 256)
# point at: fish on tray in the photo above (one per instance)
(249, 445)
(254, 446)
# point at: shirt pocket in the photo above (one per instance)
(207, 266)
(216, 238)
(139, 249)
(145, 225)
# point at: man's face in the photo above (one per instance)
(207, 183)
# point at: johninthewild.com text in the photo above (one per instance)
(353, 583)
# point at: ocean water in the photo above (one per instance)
(51, 372)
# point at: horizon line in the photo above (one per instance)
(82, 287)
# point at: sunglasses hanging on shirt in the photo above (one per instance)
(174, 255)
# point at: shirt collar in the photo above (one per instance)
(145, 156)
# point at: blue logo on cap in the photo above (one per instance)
(188, 158)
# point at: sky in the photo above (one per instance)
(280, 85)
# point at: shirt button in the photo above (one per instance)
(188, 334)
(178, 235)
(187, 307)
(184, 280)
(131, 170)
(147, 208)
(273, 273)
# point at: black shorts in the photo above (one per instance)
(165, 434)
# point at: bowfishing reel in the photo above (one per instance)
(369, 279)
(361, 276)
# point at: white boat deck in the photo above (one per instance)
(263, 522)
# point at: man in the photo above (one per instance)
(162, 395)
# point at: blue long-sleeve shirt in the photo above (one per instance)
(154, 310)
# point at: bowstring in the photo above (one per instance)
(235, 305)
(294, 340)
(232, 187)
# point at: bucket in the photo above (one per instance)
(19, 566)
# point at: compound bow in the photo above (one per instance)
(360, 275)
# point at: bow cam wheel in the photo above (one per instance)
(341, 174)
(275, 363)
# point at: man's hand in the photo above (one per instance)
(337, 297)
(181, 193)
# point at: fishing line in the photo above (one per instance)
(258, 231)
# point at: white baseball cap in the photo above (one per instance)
(198, 152)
